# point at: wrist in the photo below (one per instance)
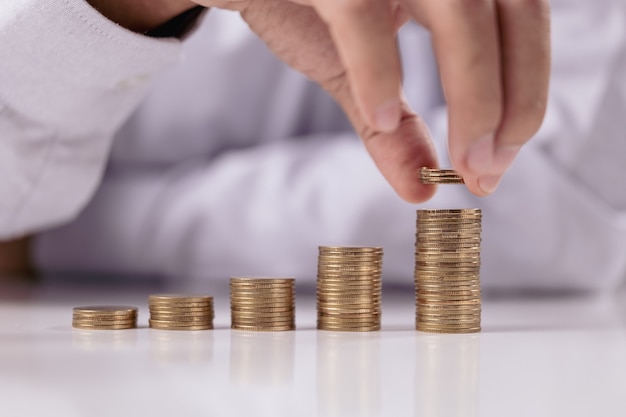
(141, 15)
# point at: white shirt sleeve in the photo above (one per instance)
(68, 79)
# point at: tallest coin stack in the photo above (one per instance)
(447, 265)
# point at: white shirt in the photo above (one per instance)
(233, 164)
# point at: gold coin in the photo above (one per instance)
(262, 280)
(267, 308)
(431, 329)
(432, 275)
(168, 309)
(177, 327)
(452, 324)
(447, 280)
(350, 249)
(261, 306)
(263, 313)
(436, 249)
(104, 319)
(437, 316)
(182, 318)
(180, 298)
(450, 305)
(263, 324)
(465, 211)
(366, 299)
(175, 306)
(262, 296)
(343, 260)
(367, 296)
(431, 176)
(182, 313)
(261, 288)
(105, 310)
(347, 270)
(262, 321)
(447, 299)
(451, 219)
(447, 322)
(167, 323)
(349, 279)
(423, 309)
(333, 314)
(473, 242)
(347, 289)
(100, 325)
(335, 328)
(447, 292)
(103, 327)
(263, 328)
(349, 283)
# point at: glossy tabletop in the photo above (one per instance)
(536, 356)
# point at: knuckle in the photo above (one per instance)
(523, 121)
(353, 7)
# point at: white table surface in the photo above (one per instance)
(546, 356)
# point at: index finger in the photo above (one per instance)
(363, 32)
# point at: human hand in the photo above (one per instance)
(494, 59)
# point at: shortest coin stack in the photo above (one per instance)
(439, 176)
(104, 318)
(262, 304)
(181, 312)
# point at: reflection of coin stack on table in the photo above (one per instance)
(104, 318)
(181, 312)
(447, 265)
(349, 288)
(262, 304)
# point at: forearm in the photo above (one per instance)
(68, 80)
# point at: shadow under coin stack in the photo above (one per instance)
(349, 288)
(263, 304)
(447, 264)
(104, 318)
(181, 312)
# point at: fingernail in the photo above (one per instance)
(504, 157)
(480, 155)
(488, 183)
(388, 116)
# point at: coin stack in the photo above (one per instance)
(447, 266)
(181, 312)
(104, 318)
(439, 176)
(349, 288)
(263, 304)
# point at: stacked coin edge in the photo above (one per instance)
(262, 304)
(181, 312)
(439, 176)
(447, 270)
(349, 288)
(104, 317)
